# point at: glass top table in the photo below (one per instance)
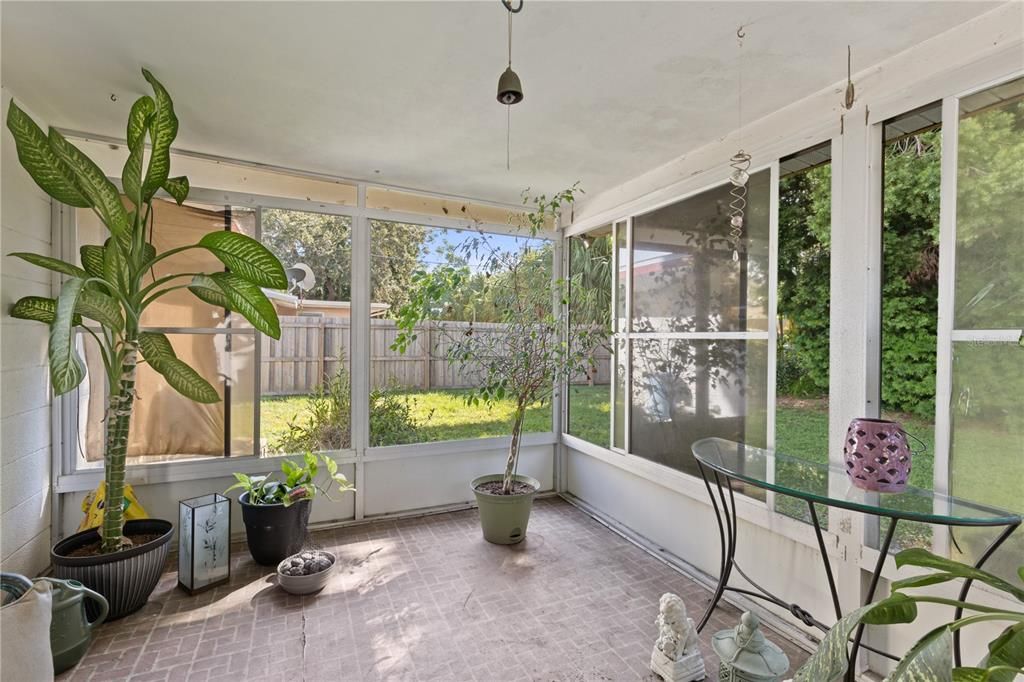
(722, 463)
(830, 485)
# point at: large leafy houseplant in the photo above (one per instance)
(536, 346)
(931, 658)
(106, 296)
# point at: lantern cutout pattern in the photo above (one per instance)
(745, 654)
(204, 542)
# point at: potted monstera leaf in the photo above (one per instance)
(105, 297)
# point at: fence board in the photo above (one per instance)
(311, 348)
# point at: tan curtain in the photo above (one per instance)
(166, 425)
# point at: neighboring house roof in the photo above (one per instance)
(291, 301)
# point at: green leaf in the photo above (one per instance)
(92, 259)
(131, 175)
(137, 123)
(160, 355)
(101, 192)
(100, 307)
(969, 675)
(115, 267)
(897, 608)
(930, 660)
(244, 298)
(39, 309)
(54, 264)
(66, 367)
(925, 559)
(42, 163)
(830, 660)
(163, 129)
(178, 188)
(1006, 650)
(207, 290)
(246, 257)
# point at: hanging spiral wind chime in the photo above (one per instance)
(510, 88)
(740, 163)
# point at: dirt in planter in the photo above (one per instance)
(494, 488)
(93, 548)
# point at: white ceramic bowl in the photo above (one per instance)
(305, 584)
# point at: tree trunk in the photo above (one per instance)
(513, 449)
(119, 416)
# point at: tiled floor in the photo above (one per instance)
(420, 599)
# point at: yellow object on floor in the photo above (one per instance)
(95, 501)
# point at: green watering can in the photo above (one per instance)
(70, 628)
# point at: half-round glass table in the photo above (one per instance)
(723, 463)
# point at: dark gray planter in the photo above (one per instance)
(504, 518)
(274, 531)
(125, 578)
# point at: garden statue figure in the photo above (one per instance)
(676, 656)
(746, 656)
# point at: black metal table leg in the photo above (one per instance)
(825, 560)
(1007, 532)
(883, 552)
(727, 548)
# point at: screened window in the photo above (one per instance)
(986, 457)
(697, 343)
(419, 395)
(590, 299)
(802, 342)
(305, 376)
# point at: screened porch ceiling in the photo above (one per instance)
(403, 93)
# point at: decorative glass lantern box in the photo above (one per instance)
(204, 542)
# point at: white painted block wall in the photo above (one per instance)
(24, 380)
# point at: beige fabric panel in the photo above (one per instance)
(164, 423)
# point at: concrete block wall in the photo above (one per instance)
(25, 396)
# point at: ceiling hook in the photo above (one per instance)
(739, 32)
(513, 9)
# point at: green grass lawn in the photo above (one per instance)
(801, 430)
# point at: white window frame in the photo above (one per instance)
(67, 477)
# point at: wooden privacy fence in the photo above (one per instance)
(311, 348)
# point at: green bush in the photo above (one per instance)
(910, 278)
(326, 422)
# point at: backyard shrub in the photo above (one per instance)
(325, 424)
(910, 278)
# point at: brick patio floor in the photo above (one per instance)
(418, 599)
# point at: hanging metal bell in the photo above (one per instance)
(510, 90)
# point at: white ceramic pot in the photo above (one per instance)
(305, 584)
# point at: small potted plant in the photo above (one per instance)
(276, 513)
(305, 572)
(538, 347)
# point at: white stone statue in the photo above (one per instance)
(676, 656)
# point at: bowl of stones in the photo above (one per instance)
(305, 572)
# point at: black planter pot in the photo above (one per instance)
(125, 578)
(274, 531)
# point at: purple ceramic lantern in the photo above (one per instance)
(877, 455)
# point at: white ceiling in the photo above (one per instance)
(408, 89)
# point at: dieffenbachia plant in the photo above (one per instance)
(106, 296)
(931, 658)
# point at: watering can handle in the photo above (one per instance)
(103, 604)
(91, 594)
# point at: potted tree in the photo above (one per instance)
(276, 513)
(523, 363)
(105, 297)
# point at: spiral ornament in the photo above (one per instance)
(740, 163)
